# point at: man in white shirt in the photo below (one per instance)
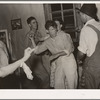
(89, 45)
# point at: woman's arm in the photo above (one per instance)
(4, 71)
(44, 38)
(40, 48)
(55, 56)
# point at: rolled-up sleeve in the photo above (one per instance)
(88, 41)
(82, 43)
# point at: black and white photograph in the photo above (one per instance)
(50, 46)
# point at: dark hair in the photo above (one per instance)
(50, 23)
(30, 19)
(61, 23)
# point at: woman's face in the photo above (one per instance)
(52, 31)
(33, 24)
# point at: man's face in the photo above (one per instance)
(58, 25)
(52, 31)
(33, 24)
(83, 17)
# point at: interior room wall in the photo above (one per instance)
(23, 11)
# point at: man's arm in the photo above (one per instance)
(80, 57)
(6, 70)
(3, 58)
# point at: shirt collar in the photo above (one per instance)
(90, 22)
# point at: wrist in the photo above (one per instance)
(23, 59)
(21, 62)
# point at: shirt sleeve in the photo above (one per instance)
(82, 43)
(88, 41)
(3, 58)
(40, 48)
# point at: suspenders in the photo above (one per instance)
(94, 28)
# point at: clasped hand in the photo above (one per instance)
(27, 70)
(27, 53)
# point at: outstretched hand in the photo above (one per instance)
(27, 53)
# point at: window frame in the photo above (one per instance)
(77, 21)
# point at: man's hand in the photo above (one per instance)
(27, 53)
(31, 36)
(80, 58)
(79, 62)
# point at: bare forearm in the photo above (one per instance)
(4, 71)
(44, 38)
(80, 56)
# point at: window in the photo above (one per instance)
(67, 13)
